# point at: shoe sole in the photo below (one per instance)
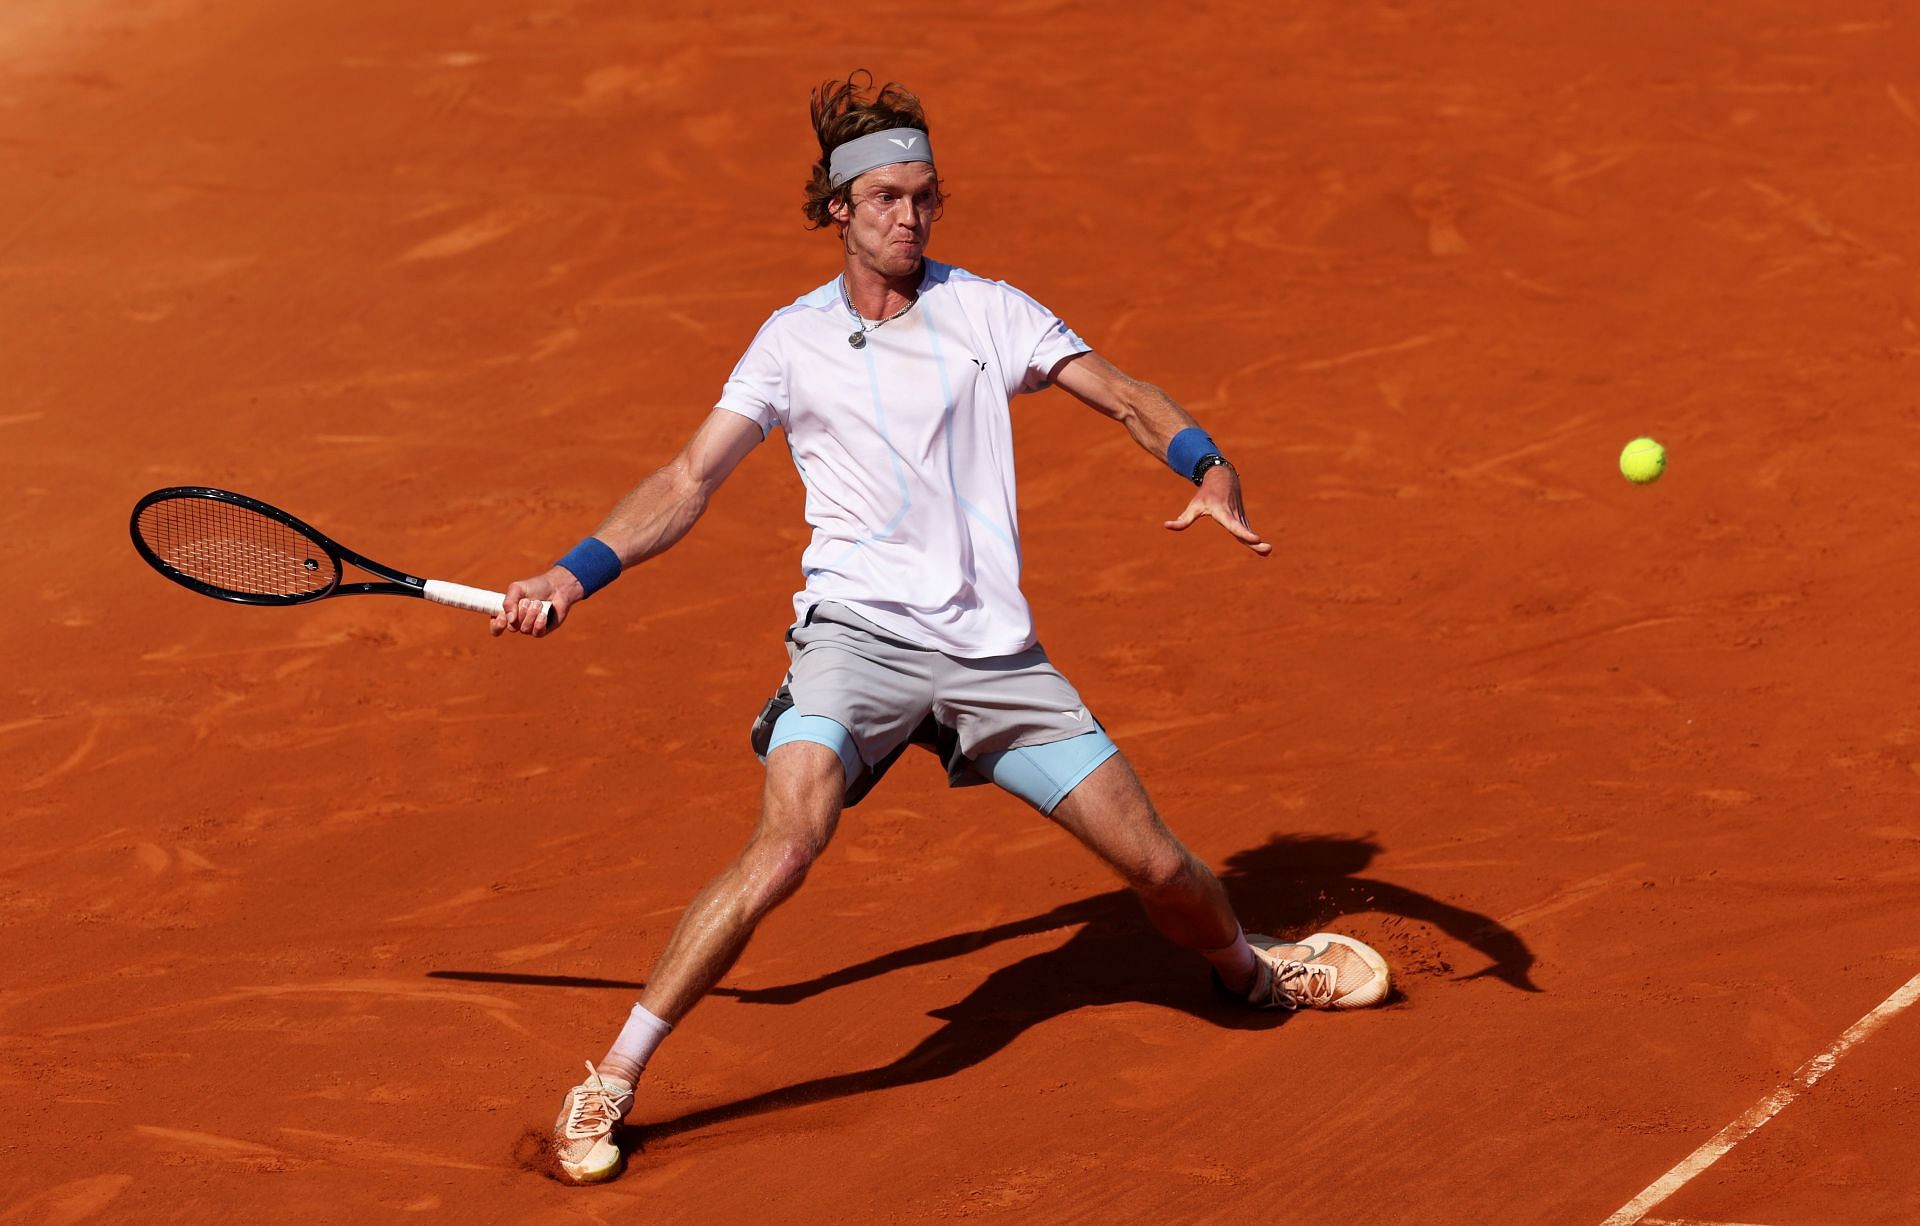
(587, 1175)
(1374, 992)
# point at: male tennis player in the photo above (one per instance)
(892, 382)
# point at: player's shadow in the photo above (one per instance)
(1287, 886)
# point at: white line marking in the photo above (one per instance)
(1773, 1104)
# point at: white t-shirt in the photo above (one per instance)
(906, 449)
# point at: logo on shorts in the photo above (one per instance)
(1076, 715)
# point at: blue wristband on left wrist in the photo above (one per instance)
(593, 562)
(1187, 449)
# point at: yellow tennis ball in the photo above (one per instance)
(1643, 461)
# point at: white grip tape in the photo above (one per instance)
(477, 599)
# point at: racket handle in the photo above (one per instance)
(476, 599)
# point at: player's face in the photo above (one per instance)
(891, 219)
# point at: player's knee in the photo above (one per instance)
(1164, 869)
(793, 831)
(789, 859)
(775, 864)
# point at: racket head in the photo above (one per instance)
(232, 547)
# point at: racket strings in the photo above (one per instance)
(235, 549)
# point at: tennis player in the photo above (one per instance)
(892, 383)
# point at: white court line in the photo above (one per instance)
(1803, 1078)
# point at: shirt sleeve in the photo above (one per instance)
(1032, 330)
(757, 388)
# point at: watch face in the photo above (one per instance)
(1206, 463)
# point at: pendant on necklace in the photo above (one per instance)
(857, 339)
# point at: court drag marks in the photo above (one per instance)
(315, 912)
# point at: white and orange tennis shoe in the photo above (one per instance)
(1322, 971)
(583, 1141)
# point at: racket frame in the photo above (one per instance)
(393, 582)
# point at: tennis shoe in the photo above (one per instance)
(1323, 971)
(583, 1141)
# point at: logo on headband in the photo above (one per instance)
(908, 143)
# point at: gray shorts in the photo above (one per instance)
(1011, 720)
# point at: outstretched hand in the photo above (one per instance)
(1218, 498)
(557, 587)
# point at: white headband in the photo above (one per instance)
(863, 153)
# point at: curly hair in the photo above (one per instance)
(843, 111)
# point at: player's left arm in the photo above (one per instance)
(1153, 418)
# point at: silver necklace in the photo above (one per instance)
(859, 339)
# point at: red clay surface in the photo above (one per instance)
(313, 914)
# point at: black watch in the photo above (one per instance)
(1205, 462)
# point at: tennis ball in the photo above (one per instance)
(1643, 461)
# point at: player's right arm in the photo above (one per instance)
(649, 520)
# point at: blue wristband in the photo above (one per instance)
(1187, 449)
(593, 562)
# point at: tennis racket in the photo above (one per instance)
(233, 547)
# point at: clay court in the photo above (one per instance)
(312, 914)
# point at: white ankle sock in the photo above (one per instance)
(635, 1046)
(1237, 966)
